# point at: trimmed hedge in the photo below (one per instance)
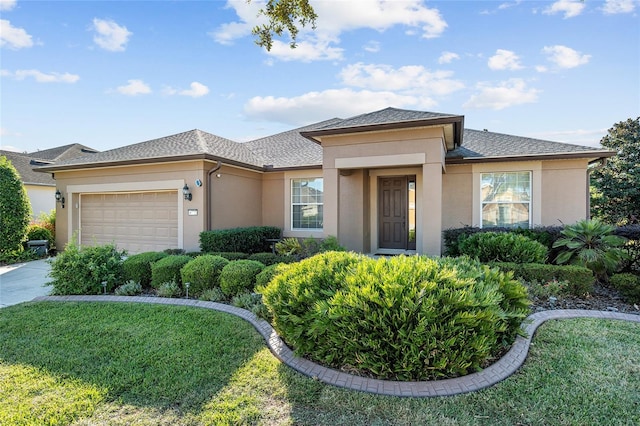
(239, 276)
(203, 273)
(168, 269)
(271, 258)
(230, 255)
(503, 247)
(137, 268)
(580, 279)
(628, 285)
(401, 318)
(246, 240)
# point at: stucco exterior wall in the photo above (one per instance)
(457, 200)
(42, 199)
(353, 210)
(236, 198)
(273, 204)
(564, 191)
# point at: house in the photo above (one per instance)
(389, 181)
(41, 187)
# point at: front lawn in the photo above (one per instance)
(122, 364)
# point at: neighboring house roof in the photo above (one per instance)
(24, 164)
(297, 148)
(62, 153)
(482, 145)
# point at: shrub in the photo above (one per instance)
(631, 247)
(203, 273)
(591, 243)
(246, 300)
(289, 247)
(245, 240)
(168, 269)
(174, 251)
(267, 274)
(271, 258)
(138, 267)
(15, 209)
(81, 270)
(169, 289)
(579, 279)
(331, 243)
(48, 221)
(404, 318)
(130, 288)
(628, 285)
(230, 255)
(544, 290)
(213, 295)
(239, 276)
(503, 247)
(38, 232)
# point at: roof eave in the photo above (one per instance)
(593, 155)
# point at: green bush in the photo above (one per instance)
(271, 259)
(331, 243)
(39, 232)
(213, 295)
(403, 318)
(245, 240)
(81, 270)
(174, 251)
(267, 274)
(15, 209)
(239, 276)
(203, 273)
(138, 267)
(169, 289)
(503, 247)
(289, 247)
(168, 269)
(130, 288)
(580, 280)
(230, 255)
(628, 285)
(546, 289)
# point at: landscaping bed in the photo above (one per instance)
(601, 299)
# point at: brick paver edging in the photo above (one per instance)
(500, 370)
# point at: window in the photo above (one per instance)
(306, 203)
(506, 199)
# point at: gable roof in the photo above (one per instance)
(24, 164)
(61, 153)
(484, 146)
(298, 148)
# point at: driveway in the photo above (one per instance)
(23, 282)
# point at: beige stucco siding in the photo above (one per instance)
(236, 198)
(354, 210)
(273, 203)
(457, 200)
(564, 191)
(42, 198)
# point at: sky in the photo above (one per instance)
(111, 73)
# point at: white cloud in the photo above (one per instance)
(506, 94)
(411, 78)
(334, 18)
(306, 51)
(372, 46)
(7, 4)
(447, 57)
(13, 37)
(315, 106)
(504, 60)
(110, 36)
(41, 77)
(196, 90)
(613, 7)
(134, 88)
(570, 8)
(565, 57)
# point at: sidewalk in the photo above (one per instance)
(23, 281)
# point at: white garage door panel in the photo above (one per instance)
(137, 222)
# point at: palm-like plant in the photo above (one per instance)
(591, 243)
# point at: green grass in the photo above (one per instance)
(122, 364)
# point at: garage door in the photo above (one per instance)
(137, 222)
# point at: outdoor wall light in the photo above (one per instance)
(186, 192)
(59, 198)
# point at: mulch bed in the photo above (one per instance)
(602, 299)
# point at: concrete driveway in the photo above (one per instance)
(23, 282)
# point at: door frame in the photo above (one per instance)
(409, 176)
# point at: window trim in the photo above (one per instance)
(292, 204)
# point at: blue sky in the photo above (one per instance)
(108, 74)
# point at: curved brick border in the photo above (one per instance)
(500, 370)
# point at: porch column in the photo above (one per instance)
(331, 187)
(432, 204)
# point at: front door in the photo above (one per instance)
(392, 216)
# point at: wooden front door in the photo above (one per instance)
(392, 216)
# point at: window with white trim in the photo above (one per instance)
(306, 203)
(506, 199)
